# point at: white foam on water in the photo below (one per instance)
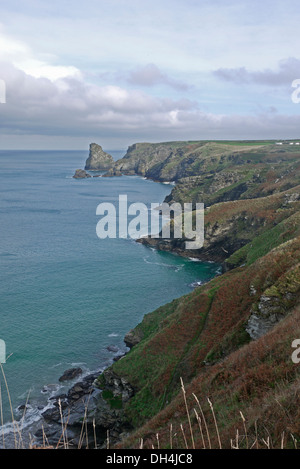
(177, 268)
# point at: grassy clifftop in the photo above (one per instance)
(230, 339)
(202, 169)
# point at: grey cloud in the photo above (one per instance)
(72, 108)
(151, 75)
(288, 70)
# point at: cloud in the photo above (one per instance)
(288, 70)
(47, 99)
(72, 107)
(21, 56)
(151, 75)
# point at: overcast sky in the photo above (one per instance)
(117, 72)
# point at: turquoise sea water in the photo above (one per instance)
(66, 295)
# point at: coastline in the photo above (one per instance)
(83, 401)
(71, 406)
(160, 356)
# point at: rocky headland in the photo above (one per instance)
(229, 339)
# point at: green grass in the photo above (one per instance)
(266, 241)
(115, 402)
(245, 142)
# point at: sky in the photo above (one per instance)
(116, 72)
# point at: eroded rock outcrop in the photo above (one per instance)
(132, 338)
(98, 400)
(98, 160)
(118, 386)
(274, 304)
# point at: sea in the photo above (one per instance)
(67, 298)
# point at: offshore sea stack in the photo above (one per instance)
(98, 160)
(81, 174)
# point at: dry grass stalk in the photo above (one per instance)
(215, 421)
(157, 439)
(184, 437)
(245, 429)
(200, 428)
(187, 412)
(94, 429)
(204, 420)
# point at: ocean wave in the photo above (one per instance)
(56, 365)
(196, 284)
(177, 268)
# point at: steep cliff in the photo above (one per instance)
(212, 172)
(230, 339)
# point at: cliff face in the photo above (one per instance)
(212, 172)
(230, 339)
(144, 159)
(229, 226)
(98, 160)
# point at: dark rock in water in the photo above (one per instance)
(74, 398)
(81, 174)
(98, 160)
(23, 407)
(59, 396)
(70, 374)
(112, 348)
(85, 400)
(52, 415)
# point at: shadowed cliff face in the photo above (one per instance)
(229, 226)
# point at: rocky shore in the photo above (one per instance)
(89, 411)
